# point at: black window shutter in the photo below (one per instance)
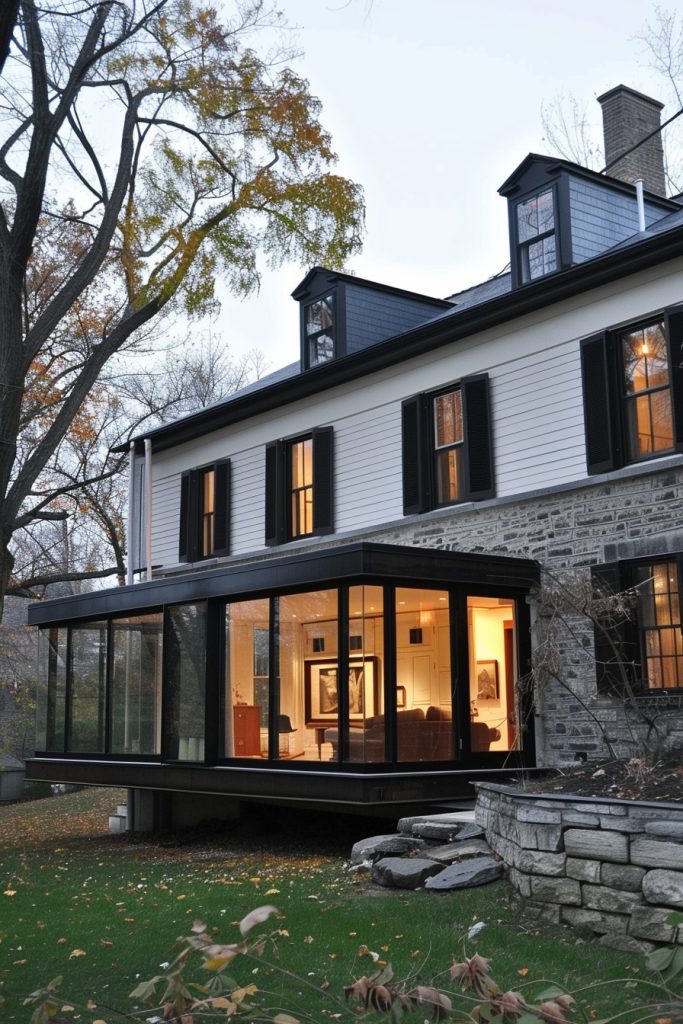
(674, 330)
(416, 455)
(189, 496)
(477, 437)
(221, 543)
(323, 480)
(599, 404)
(184, 518)
(610, 640)
(274, 497)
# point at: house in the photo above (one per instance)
(332, 573)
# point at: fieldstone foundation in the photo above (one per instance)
(614, 866)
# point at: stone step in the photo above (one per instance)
(122, 809)
(118, 822)
(406, 825)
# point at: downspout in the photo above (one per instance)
(131, 488)
(148, 506)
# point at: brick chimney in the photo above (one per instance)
(627, 117)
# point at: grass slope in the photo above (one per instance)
(103, 911)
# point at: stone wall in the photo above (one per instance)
(613, 866)
(570, 529)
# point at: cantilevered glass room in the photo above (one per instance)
(358, 661)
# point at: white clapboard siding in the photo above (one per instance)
(368, 479)
(247, 521)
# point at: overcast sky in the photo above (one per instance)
(431, 105)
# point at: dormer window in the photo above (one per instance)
(536, 236)
(319, 330)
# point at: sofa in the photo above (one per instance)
(422, 736)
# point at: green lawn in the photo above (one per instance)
(103, 911)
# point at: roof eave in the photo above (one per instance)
(527, 299)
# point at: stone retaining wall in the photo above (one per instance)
(614, 866)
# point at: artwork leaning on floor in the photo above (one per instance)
(322, 691)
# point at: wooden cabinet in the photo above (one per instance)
(246, 730)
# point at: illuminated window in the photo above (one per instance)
(205, 512)
(299, 494)
(301, 488)
(645, 361)
(659, 624)
(448, 447)
(632, 381)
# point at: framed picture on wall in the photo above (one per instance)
(322, 690)
(487, 680)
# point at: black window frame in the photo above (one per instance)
(605, 402)
(191, 512)
(521, 247)
(308, 340)
(627, 640)
(278, 486)
(419, 448)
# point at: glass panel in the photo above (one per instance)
(448, 475)
(645, 359)
(659, 619)
(307, 717)
(650, 425)
(186, 661)
(448, 418)
(87, 676)
(136, 685)
(322, 348)
(320, 315)
(51, 692)
(541, 256)
(527, 220)
(494, 713)
(366, 678)
(424, 726)
(535, 216)
(301, 456)
(245, 698)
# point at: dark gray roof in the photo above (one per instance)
(491, 289)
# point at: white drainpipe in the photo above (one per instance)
(641, 204)
(131, 486)
(148, 506)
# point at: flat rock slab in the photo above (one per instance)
(465, 874)
(385, 846)
(406, 825)
(447, 831)
(404, 872)
(459, 851)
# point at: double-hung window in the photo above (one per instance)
(447, 446)
(205, 512)
(633, 392)
(319, 330)
(299, 496)
(646, 645)
(536, 241)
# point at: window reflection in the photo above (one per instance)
(135, 706)
(87, 674)
(186, 688)
(645, 361)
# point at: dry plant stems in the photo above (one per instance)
(566, 606)
(472, 994)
